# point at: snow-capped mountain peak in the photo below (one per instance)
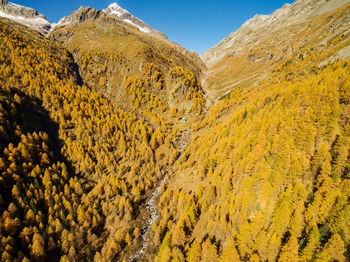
(86, 13)
(116, 10)
(37, 21)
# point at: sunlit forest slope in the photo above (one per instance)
(108, 155)
(266, 174)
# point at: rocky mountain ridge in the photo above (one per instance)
(86, 13)
(251, 53)
(26, 16)
(37, 21)
(115, 10)
(252, 30)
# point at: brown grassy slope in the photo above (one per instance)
(256, 59)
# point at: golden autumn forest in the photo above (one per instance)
(131, 148)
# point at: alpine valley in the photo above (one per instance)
(117, 144)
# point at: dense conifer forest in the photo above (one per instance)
(262, 174)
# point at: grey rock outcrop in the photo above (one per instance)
(82, 14)
(26, 16)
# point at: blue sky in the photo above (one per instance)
(195, 24)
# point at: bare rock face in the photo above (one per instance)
(82, 14)
(252, 31)
(26, 16)
(18, 10)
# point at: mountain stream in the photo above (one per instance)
(151, 205)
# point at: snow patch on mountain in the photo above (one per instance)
(26, 16)
(143, 29)
(37, 21)
(123, 14)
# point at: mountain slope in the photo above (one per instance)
(266, 175)
(26, 16)
(249, 53)
(75, 168)
(117, 58)
(116, 10)
(101, 121)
